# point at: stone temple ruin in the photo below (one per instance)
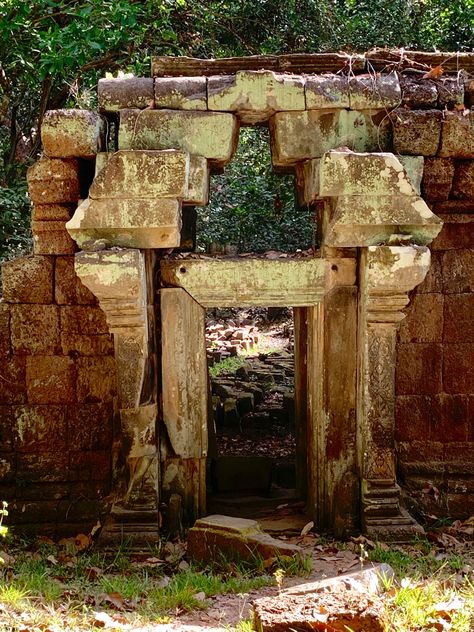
(104, 385)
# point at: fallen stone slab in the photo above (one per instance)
(215, 537)
(346, 602)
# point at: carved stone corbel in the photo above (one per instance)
(387, 274)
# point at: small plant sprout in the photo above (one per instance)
(279, 574)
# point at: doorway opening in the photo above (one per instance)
(252, 463)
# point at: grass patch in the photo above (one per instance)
(228, 365)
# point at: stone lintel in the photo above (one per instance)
(258, 282)
(125, 92)
(133, 223)
(71, 132)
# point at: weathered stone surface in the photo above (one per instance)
(374, 92)
(132, 223)
(50, 380)
(213, 135)
(416, 132)
(45, 467)
(86, 345)
(457, 233)
(413, 417)
(326, 92)
(434, 279)
(91, 465)
(142, 174)
(95, 379)
(457, 136)
(12, 370)
(39, 428)
(458, 318)
(458, 271)
(68, 288)
(90, 427)
(424, 321)
(458, 368)
(69, 133)
(198, 185)
(437, 178)
(414, 167)
(347, 602)
(4, 329)
(450, 92)
(125, 92)
(297, 136)
(255, 94)
(52, 212)
(87, 320)
(6, 430)
(35, 329)
(450, 207)
(51, 238)
(419, 368)
(463, 185)
(53, 181)
(235, 538)
(28, 280)
(418, 94)
(180, 93)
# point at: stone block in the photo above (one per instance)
(54, 181)
(125, 92)
(213, 135)
(255, 94)
(28, 280)
(95, 379)
(459, 318)
(90, 465)
(51, 380)
(35, 329)
(72, 133)
(6, 428)
(324, 92)
(39, 428)
(138, 223)
(142, 174)
(5, 335)
(52, 238)
(414, 167)
(413, 417)
(374, 92)
(419, 368)
(52, 212)
(434, 279)
(40, 491)
(463, 186)
(418, 94)
(198, 185)
(457, 233)
(7, 469)
(456, 207)
(90, 427)
(458, 368)
(180, 93)
(416, 132)
(82, 319)
(450, 92)
(458, 271)
(216, 536)
(424, 321)
(450, 418)
(13, 380)
(423, 452)
(469, 93)
(73, 344)
(437, 179)
(457, 136)
(299, 136)
(68, 288)
(46, 467)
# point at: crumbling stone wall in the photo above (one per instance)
(57, 370)
(435, 367)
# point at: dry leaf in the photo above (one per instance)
(434, 73)
(307, 528)
(95, 528)
(52, 560)
(82, 541)
(116, 599)
(93, 572)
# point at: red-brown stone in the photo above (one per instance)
(419, 368)
(39, 428)
(52, 238)
(35, 329)
(48, 467)
(458, 368)
(90, 427)
(437, 178)
(53, 212)
(83, 319)
(28, 280)
(449, 414)
(12, 379)
(463, 186)
(459, 318)
(69, 290)
(413, 417)
(96, 379)
(5, 346)
(458, 271)
(416, 132)
(457, 232)
(51, 380)
(89, 465)
(434, 279)
(424, 320)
